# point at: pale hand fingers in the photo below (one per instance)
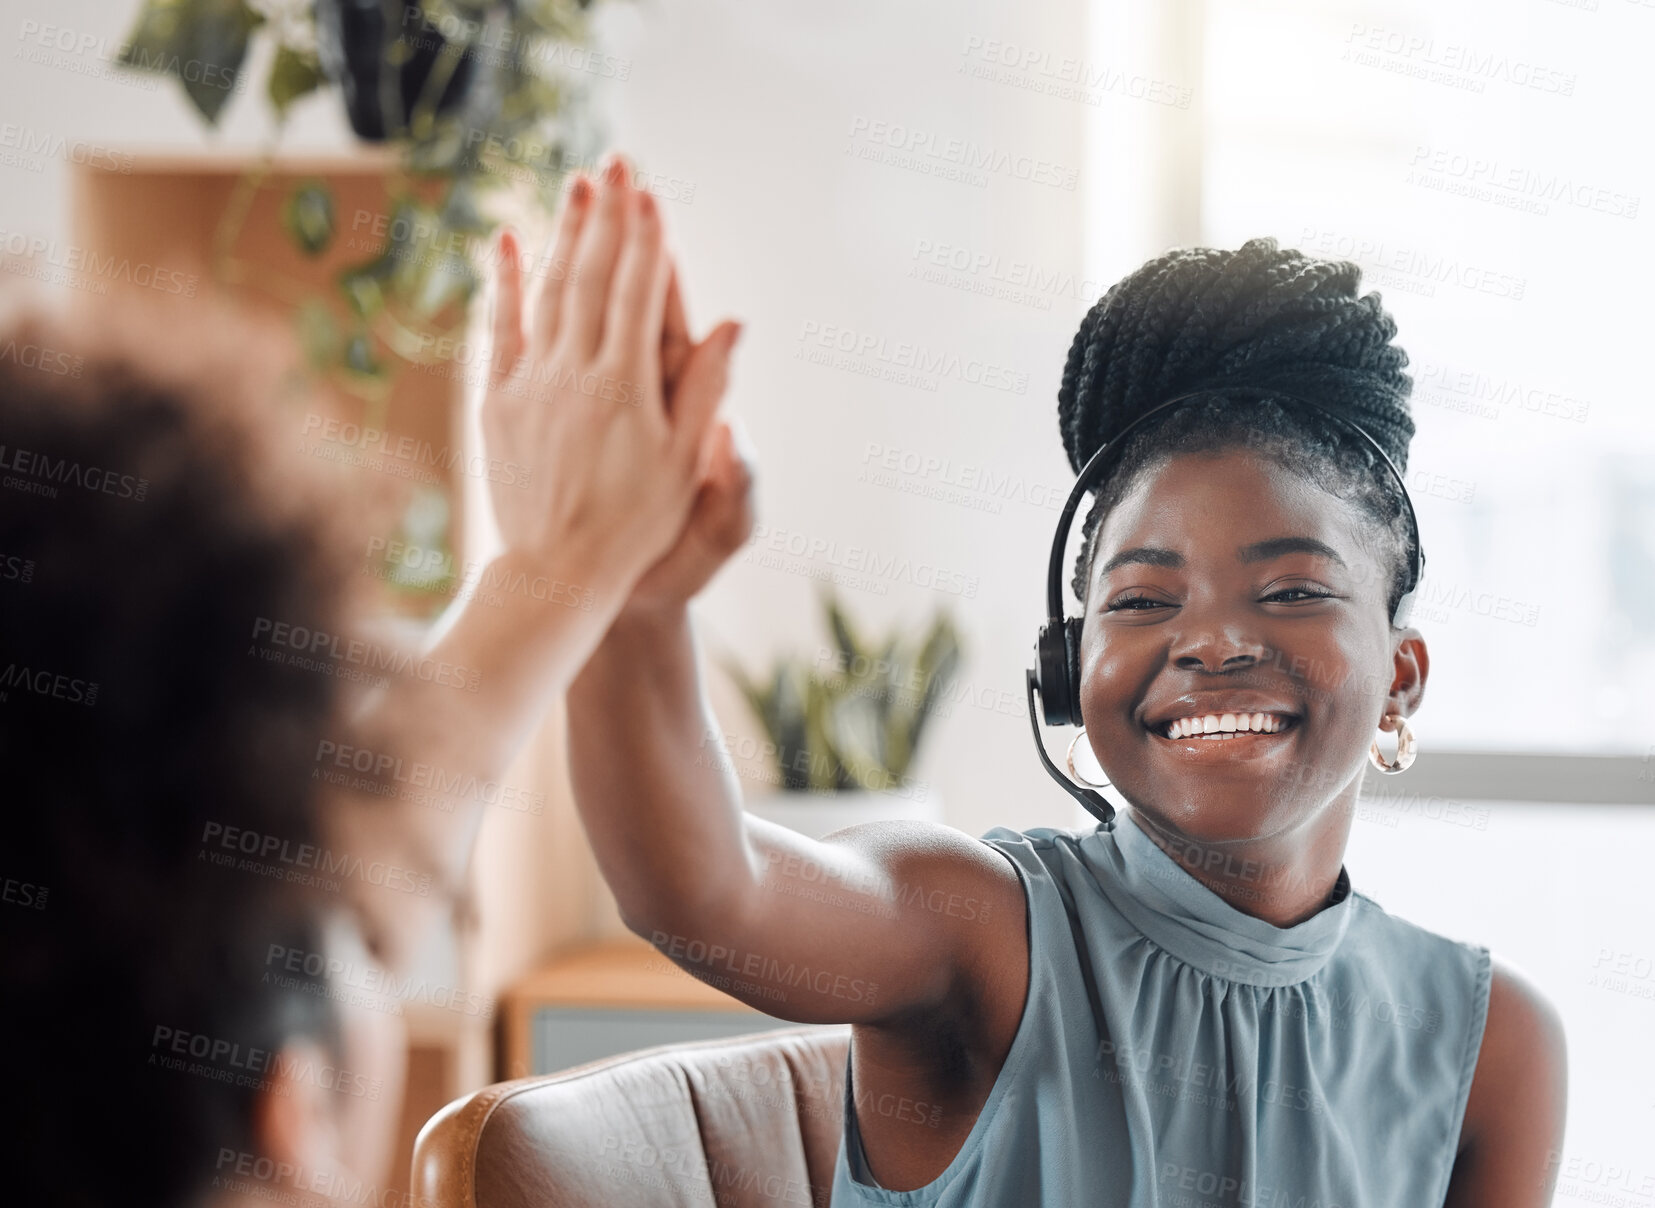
(729, 488)
(559, 267)
(508, 308)
(632, 327)
(599, 247)
(675, 338)
(706, 374)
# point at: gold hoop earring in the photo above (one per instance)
(1091, 784)
(1405, 751)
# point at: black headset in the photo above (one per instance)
(1054, 681)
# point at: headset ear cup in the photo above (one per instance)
(1072, 627)
(1052, 671)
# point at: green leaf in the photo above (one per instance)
(359, 357)
(202, 42)
(364, 287)
(294, 74)
(319, 334)
(441, 279)
(308, 217)
(844, 633)
(425, 526)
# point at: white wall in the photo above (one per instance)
(746, 112)
(758, 105)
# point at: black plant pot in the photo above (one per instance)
(354, 40)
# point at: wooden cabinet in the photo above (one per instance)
(609, 998)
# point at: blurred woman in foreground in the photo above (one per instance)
(176, 887)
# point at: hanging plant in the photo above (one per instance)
(466, 93)
(469, 95)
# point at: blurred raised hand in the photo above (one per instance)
(597, 388)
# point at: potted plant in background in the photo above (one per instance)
(471, 99)
(843, 730)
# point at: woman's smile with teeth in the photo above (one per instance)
(1225, 725)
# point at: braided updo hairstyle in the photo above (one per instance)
(1237, 326)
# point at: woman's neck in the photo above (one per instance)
(1283, 879)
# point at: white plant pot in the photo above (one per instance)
(819, 814)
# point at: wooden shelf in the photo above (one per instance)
(626, 978)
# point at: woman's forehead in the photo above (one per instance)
(1225, 501)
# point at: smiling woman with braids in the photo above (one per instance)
(1195, 1005)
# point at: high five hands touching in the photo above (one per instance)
(636, 493)
(637, 490)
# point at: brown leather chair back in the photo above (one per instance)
(746, 1121)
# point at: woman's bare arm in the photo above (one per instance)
(878, 922)
(1512, 1138)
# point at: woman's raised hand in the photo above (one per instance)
(721, 517)
(604, 401)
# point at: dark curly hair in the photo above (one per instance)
(134, 552)
(1244, 328)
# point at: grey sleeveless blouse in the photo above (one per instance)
(1175, 1052)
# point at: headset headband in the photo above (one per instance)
(1092, 471)
(1053, 683)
